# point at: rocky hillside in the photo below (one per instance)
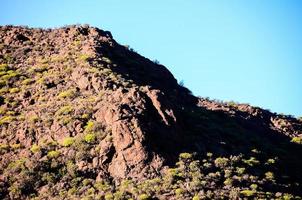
(83, 117)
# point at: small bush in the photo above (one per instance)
(89, 126)
(33, 119)
(179, 191)
(297, 140)
(86, 182)
(240, 170)
(53, 154)
(2, 111)
(3, 67)
(270, 161)
(248, 193)
(254, 187)
(269, 175)
(90, 138)
(251, 162)
(68, 141)
(27, 81)
(221, 162)
(196, 197)
(232, 103)
(185, 156)
(67, 94)
(85, 116)
(65, 110)
(6, 120)
(107, 60)
(109, 196)
(84, 57)
(15, 146)
(4, 90)
(143, 197)
(2, 83)
(228, 181)
(209, 154)
(39, 68)
(4, 147)
(35, 148)
(9, 74)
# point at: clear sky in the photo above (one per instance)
(246, 51)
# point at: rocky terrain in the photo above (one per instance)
(83, 117)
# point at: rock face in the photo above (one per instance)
(75, 102)
(83, 72)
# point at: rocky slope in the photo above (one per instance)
(83, 117)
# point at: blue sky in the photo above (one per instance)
(246, 51)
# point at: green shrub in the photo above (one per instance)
(221, 162)
(4, 147)
(107, 60)
(10, 74)
(2, 83)
(240, 170)
(39, 68)
(41, 81)
(270, 161)
(179, 191)
(232, 103)
(248, 193)
(66, 120)
(27, 81)
(6, 119)
(3, 67)
(35, 148)
(185, 156)
(53, 154)
(14, 90)
(33, 119)
(109, 196)
(8, 58)
(228, 181)
(48, 177)
(84, 57)
(2, 110)
(4, 90)
(209, 154)
(77, 42)
(254, 187)
(255, 151)
(15, 146)
(68, 141)
(251, 162)
(89, 126)
(90, 138)
(86, 182)
(85, 116)
(71, 168)
(288, 197)
(196, 197)
(72, 191)
(65, 110)
(297, 140)
(269, 175)
(143, 197)
(67, 94)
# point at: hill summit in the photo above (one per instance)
(83, 117)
